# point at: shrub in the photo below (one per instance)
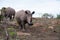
(1, 17)
(12, 32)
(58, 16)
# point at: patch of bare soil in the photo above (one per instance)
(39, 33)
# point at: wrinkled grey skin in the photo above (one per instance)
(24, 17)
(8, 12)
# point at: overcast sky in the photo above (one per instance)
(39, 6)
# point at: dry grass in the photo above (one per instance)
(43, 29)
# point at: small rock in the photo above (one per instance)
(51, 27)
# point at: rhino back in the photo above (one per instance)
(10, 10)
(21, 15)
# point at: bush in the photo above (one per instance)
(1, 17)
(12, 32)
(58, 16)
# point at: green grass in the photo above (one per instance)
(1, 17)
(12, 32)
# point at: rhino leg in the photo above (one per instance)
(13, 16)
(10, 17)
(23, 26)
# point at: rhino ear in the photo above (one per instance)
(26, 12)
(3, 9)
(33, 12)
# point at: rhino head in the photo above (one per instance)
(29, 17)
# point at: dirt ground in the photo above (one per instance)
(39, 33)
(41, 30)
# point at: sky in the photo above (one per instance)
(39, 6)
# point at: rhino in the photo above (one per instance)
(8, 12)
(23, 17)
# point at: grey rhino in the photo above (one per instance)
(24, 17)
(8, 12)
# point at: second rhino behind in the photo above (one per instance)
(8, 12)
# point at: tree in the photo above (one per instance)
(46, 15)
(51, 16)
(58, 16)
